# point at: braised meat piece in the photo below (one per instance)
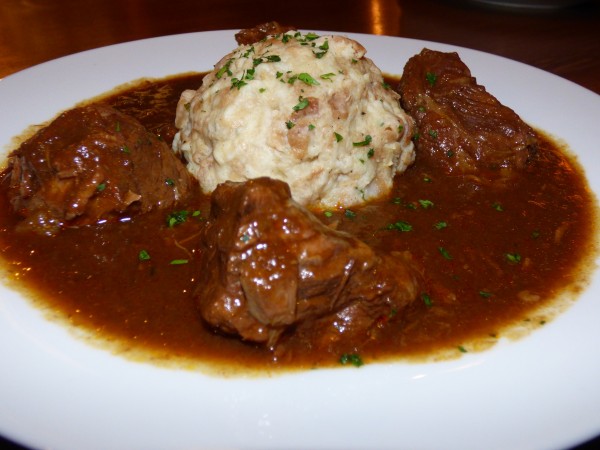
(90, 164)
(270, 266)
(249, 36)
(462, 127)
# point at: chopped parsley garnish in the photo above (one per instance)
(101, 187)
(176, 218)
(289, 124)
(371, 153)
(143, 255)
(425, 204)
(497, 206)
(178, 262)
(338, 137)
(350, 214)
(433, 134)
(327, 76)
(302, 103)
(440, 225)
(444, 253)
(351, 358)
(513, 258)
(170, 182)
(485, 294)
(324, 49)
(426, 299)
(431, 78)
(224, 69)
(364, 143)
(327, 213)
(400, 226)
(307, 79)
(462, 349)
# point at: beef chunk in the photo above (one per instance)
(462, 128)
(249, 36)
(90, 164)
(271, 267)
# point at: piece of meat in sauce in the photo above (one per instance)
(249, 36)
(269, 266)
(91, 164)
(462, 127)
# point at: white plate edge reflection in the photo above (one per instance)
(56, 391)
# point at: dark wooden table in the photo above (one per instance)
(565, 42)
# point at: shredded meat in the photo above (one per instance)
(249, 36)
(462, 127)
(90, 164)
(271, 267)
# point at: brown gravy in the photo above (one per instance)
(496, 260)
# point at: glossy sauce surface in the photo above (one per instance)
(492, 256)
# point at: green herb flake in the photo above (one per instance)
(302, 103)
(433, 134)
(327, 213)
(143, 255)
(338, 137)
(307, 79)
(224, 70)
(327, 76)
(311, 127)
(289, 124)
(371, 153)
(513, 258)
(176, 218)
(170, 182)
(351, 358)
(440, 225)
(273, 58)
(179, 262)
(324, 49)
(431, 78)
(238, 83)
(364, 143)
(101, 187)
(445, 253)
(497, 206)
(125, 149)
(426, 204)
(350, 214)
(426, 299)
(485, 294)
(462, 349)
(400, 226)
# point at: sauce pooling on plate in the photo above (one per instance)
(495, 259)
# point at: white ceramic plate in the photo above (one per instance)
(537, 393)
